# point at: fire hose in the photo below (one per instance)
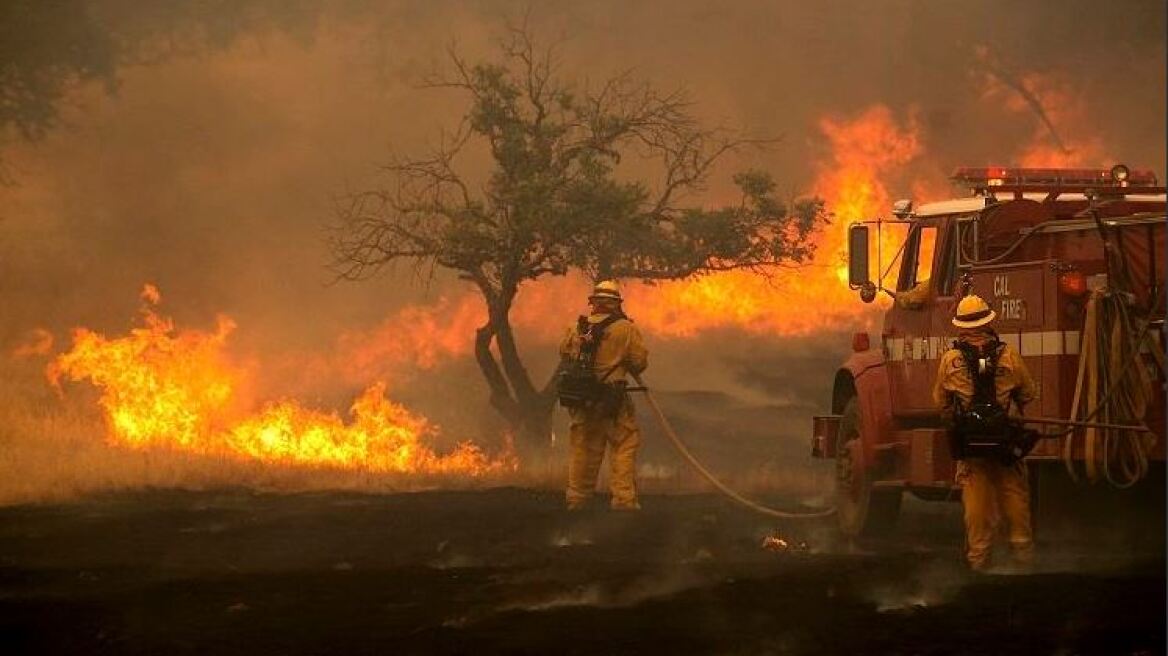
(688, 456)
(685, 453)
(1111, 359)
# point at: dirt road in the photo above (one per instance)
(505, 571)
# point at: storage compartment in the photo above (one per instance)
(931, 464)
(824, 433)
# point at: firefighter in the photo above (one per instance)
(978, 377)
(613, 348)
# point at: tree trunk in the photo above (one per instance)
(528, 411)
(501, 398)
(513, 367)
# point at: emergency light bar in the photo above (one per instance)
(987, 178)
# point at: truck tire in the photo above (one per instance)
(861, 509)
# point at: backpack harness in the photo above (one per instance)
(985, 429)
(577, 382)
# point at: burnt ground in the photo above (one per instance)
(506, 571)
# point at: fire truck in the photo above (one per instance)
(1072, 262)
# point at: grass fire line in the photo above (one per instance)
(162, 388)
(167, 388)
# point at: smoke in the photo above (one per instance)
(209, 169)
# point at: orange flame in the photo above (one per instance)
(417, 336)
(815, 296)
(383, 437)
(161, 387)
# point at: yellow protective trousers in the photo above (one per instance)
(591, 431)
(990, 491)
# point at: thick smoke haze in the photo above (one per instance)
(208, 162)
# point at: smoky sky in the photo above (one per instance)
(208, 161)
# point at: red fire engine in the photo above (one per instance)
(1072, 261)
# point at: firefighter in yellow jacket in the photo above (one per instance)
(980, 365)
(612, 348)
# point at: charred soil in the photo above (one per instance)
(507, 571)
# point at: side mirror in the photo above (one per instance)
(859, 276)
(858, 271)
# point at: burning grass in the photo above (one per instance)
(177, 389)
(54, 450)
(170, 413)
(166, 409)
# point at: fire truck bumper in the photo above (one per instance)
(824, 433)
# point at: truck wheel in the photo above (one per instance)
(861, 510)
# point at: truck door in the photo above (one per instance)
(946, 290)
(908, 350)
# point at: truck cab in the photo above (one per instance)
(1071, 261)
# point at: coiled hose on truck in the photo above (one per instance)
(1112, 386)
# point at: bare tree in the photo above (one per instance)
(552, 201)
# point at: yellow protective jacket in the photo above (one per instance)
(1012, 381)
(621, 351)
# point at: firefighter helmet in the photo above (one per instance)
(973, 312)
(606, 289)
